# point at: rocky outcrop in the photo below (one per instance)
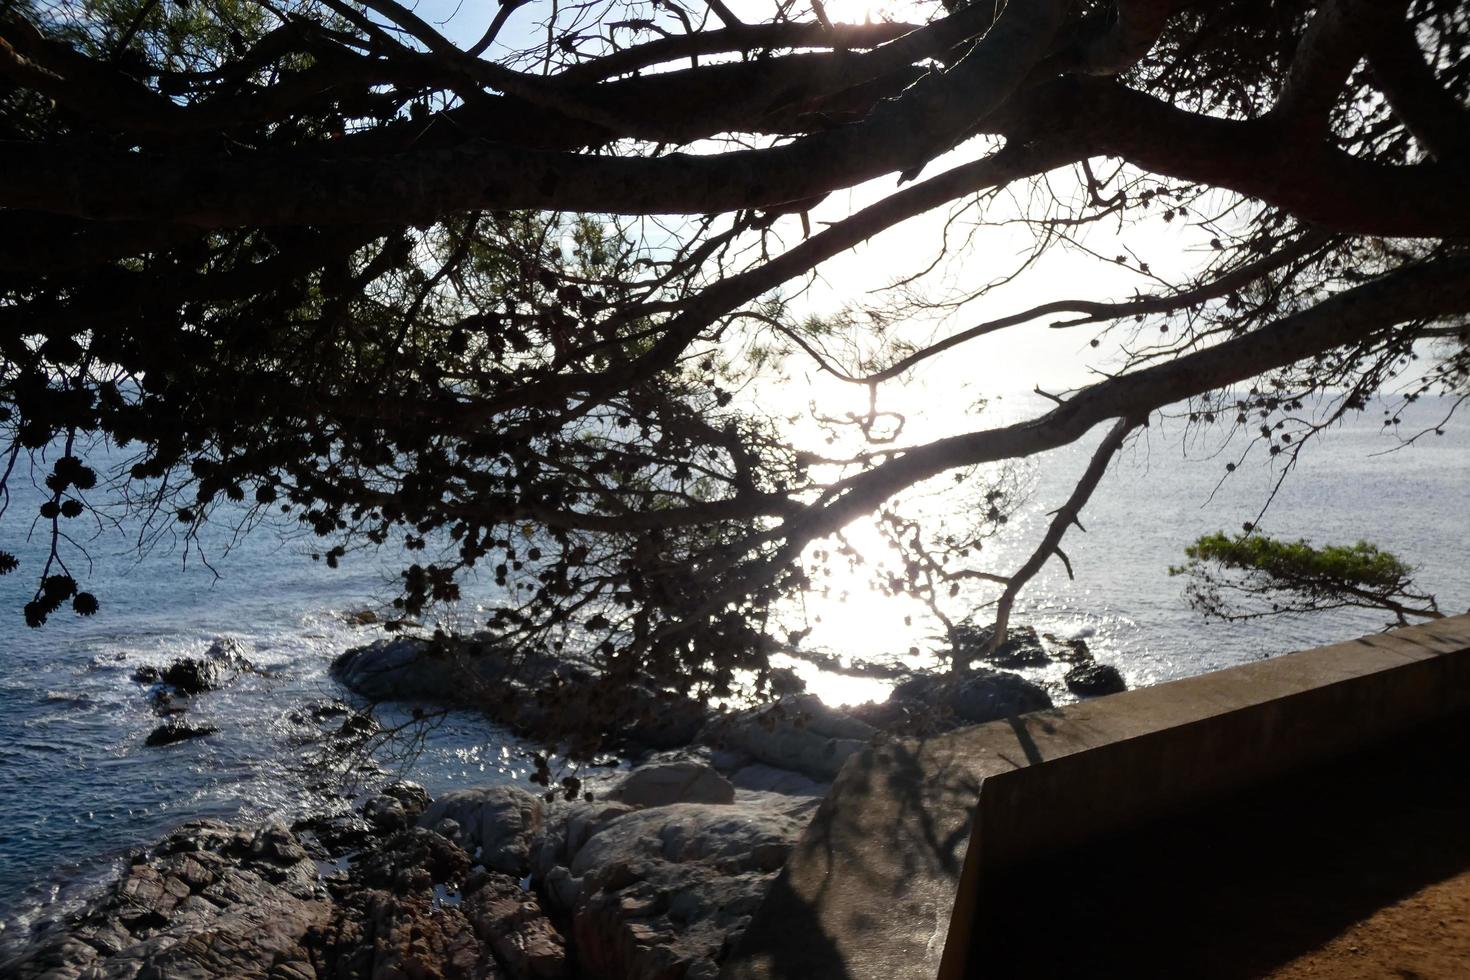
(194, 675)
(1090, 680)
(497, 824)
(664, 783)
(533, 695)
(1022, 647)
(209, 901)
(927, 704)
(799, 734)
(664, 892)
(657, 891)
(513, 924)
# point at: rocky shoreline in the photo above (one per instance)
(650, 874)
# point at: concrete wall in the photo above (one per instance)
(884, 883)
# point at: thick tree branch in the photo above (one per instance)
(1438, 121)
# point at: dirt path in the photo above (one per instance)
(1424, 937)
(1358, 869)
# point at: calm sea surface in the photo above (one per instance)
(78, 788)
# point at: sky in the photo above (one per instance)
(1017, 359)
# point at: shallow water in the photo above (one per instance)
(78, 788)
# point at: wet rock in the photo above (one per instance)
(322, 710)
(165, 705)
(673, 782)
(399, 669)
(209, 901)
(931, 703)
(1093, 680)
(385, 813)
(498, 823)
(189, 675)
(799, 734)
(1022, 647)
(415, 798)
(177, 731)
(413, 859)
(784, 681)
(1075, 651)
(338, 834)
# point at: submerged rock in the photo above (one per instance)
(195, 675)
(177, 731)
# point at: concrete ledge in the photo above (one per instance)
(884, 884)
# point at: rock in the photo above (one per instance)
(497, 822)
(209, 901)
(322, 710)
(1022, 647)
(395, 669)
(415, 798)
(536, 695)
(362, 617)
(931, 703)
(338, 834)
(1075, 652)
(383, 935)
(992, 694)
(799, 734)
(385, 813)
(582, 822)
(760, 778)
(412, 859)
(784, 681)
(673, 782)
(657, 719)
(663, 892)
(1092, 680)
(177, 731)
(188, 675)
(511, 921)
(165, 705)
(195, 675)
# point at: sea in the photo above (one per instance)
(79, 789)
